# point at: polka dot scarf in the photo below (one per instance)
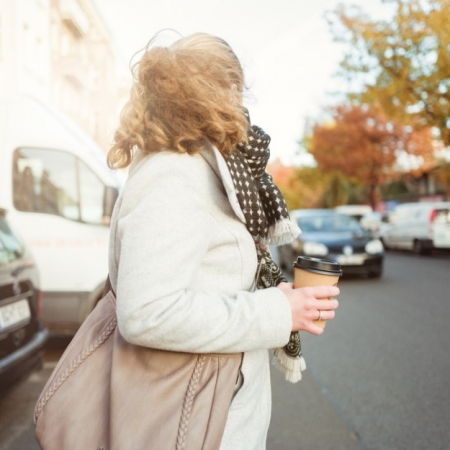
(268, 222)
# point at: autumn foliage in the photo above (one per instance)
(363, 144)
(402, 63)
(395, 111)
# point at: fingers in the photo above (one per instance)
(324, 306)
(314, 329)
(321, 291)
(327, 308)
(322, 313)
(311, 326)
(315, 302)
(308, 304)
(327, 315)
(318, 292)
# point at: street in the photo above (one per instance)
(383, 365)
(377, 379)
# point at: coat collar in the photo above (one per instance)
(217, 162)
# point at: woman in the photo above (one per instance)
(190, 228)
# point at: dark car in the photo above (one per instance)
(22, 336)
(328, 234)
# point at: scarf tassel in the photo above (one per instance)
(282, 232)
(291, 367)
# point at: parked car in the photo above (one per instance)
(420, 227)
(326, 233)
(22, 335)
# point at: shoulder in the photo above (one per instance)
(178, 177)
(163, 161)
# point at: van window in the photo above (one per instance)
(56, 182)
(91, 195)
(442, 216)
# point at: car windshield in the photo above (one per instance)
(328, 223)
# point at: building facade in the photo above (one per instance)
(61, 52)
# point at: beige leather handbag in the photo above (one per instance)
(107, 394)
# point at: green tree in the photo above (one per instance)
(402, 63)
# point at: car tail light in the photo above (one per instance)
(39, 303)
(432, 216)
(431, 220)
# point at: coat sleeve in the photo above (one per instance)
(163, 240)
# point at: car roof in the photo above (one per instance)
(313, 212)
(424, 205)
(353, 209)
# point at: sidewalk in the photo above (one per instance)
(304, 419)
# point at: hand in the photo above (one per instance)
(305, 305)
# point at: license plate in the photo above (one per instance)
(351, 260)
(14, 314)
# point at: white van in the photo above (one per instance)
(60, 194)
(420, 227)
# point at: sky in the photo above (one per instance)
(285, 48)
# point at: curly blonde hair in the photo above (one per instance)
(182, 95)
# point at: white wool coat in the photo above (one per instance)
(183, 265)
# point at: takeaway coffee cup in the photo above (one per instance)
(309, 271)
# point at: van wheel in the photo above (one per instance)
(420, 248)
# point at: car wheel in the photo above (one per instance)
(420, 248)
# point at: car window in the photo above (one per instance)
(11, 247)
(328, 223)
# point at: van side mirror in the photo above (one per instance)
(109, 200)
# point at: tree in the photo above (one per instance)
(303, 188)
(442, 174)
(402, 64)
(364, 145)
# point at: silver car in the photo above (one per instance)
(420, 227)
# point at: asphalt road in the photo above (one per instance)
(383, 366)
(377, 379)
